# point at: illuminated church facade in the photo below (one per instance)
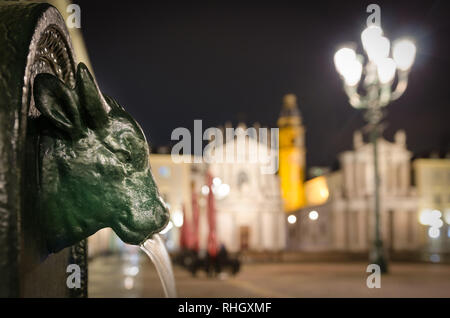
(344, 219)
(250, 217)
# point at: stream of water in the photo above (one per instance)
(155, 249)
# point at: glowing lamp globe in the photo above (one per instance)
(386, 70)
(343, 58)
(404, 53)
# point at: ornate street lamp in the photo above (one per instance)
(379, 72)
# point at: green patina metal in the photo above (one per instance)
(72, 161)
(93, 159)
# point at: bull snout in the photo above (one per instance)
(142, 224)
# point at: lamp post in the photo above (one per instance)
(379, 75)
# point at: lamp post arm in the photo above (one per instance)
(401, 85)
(354, 97)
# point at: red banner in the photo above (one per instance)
(211, 210)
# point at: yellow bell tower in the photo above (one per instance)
(292, 155)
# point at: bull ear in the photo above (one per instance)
(91, 98)
(58, 103)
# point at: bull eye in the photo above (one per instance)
(123, 155)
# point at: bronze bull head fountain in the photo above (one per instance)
(94, 167)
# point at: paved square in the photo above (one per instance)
(108, 278)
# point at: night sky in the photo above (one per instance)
(170, 63)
